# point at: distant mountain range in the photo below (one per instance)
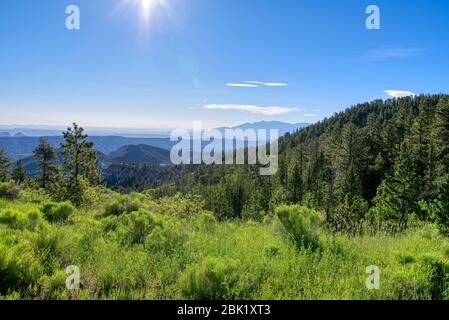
(22, 147)
(282, 127)
(139, 154)
(17, 145)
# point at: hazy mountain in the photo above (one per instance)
(282, 127)
(19, 135)
(139, 154)
(22, 147)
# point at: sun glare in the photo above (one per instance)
(149, 12)
(149, 5)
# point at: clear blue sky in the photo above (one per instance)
(122, 70)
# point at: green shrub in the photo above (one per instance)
(166, 238)
(54, 287)
(213, 278)
(438, 277)
(9, 190)
(12, 219)
(123, 205)
(15, 219)
(136, 226)
(34, 195)
(56, 212)
(207, 221)
(19, 268)
(181, 206)
(300, 224)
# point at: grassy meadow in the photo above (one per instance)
(134, 247)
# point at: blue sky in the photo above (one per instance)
(224, 62)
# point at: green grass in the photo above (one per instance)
(149, 254)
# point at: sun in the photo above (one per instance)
(149, 12)
(147, 6)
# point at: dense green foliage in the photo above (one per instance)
(150, 254)
(373, 165)
(368, 186)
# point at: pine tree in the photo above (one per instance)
(349, 157)
(442, 211)
(5, 164)
(45, 156)
(80, 159)
(399, 193)
(80, 164)
(441, 131)
(296, 184)
(19, 173)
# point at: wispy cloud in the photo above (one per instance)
(395, 53)
(266, 111)
(310, 115)
(255, 84)
(242, 85)
(275, 84)
(399, 93)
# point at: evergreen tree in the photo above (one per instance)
(80, 159)
(45, 156)
(19, 173)
(295, 184)
(442, 211)
(80, 164)
(441, 131)
(5, 164)
(399, 194)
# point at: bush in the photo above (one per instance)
(34, 195)
(300, 224)
(18, 220)
(56, 212)
(181, 206)
(9, 190)
(207, 221)
(212, 279)
(123, 205)
(19, 268)
(136, 226)
(166, 238)
(53, 287)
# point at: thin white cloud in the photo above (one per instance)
(266, 111)
(399, 93)
(275, 84)
(395, 53)
(242, 85)
(255, 84)
(311, 115)
(259, 83)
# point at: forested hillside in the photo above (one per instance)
(381, 162)
(366, 187)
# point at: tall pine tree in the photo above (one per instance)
(5, 164)
(19, 173)
(45, 156)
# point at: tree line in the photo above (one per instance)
(63, 173)
(383, 164)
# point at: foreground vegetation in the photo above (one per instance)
(134, 247)
(367, 187)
